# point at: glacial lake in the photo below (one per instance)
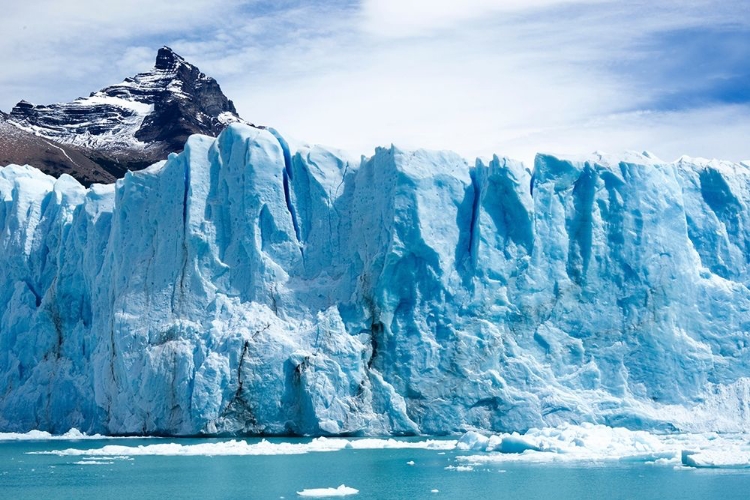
(185, 468)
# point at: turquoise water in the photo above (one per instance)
(377, 474)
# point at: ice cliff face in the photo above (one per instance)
(248, 286)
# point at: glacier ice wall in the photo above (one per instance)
(246, 286)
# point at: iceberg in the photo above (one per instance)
(590, 443)
(249, 285)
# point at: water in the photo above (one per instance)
(376, 473)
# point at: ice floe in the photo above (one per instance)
(568, 443)
(599, 443)
(717, 459)
(263, 447)
(46, 436)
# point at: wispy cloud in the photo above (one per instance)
(57, 49)
(416, 18)
(694, 66)
(479, 76)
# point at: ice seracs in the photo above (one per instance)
(247, 285)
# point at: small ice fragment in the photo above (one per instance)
(410, 462)
(460, 468)
(341, 491)
(435, 491)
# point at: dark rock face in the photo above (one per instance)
(130, 125)
(185, 102)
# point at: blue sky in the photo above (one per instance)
(479, 76)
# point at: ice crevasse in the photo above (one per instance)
(250, 286)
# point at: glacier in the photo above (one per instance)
(252, 285)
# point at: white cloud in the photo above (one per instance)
(477, 76)
(408, 18)
(717, 132)
(58, 49)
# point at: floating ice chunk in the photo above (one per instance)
(714, 459)
(506, 443)
(93, 462)
(435, 491)
(596, 443)
(515, 444)
(410, 462)
(473, 441)
(341, 491)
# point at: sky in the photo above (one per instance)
(481, 77)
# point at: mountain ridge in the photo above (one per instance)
(126, 126)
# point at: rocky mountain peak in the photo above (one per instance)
(129, 125)
(167, 59)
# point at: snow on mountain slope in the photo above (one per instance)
(246, 286)
(93, 122)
